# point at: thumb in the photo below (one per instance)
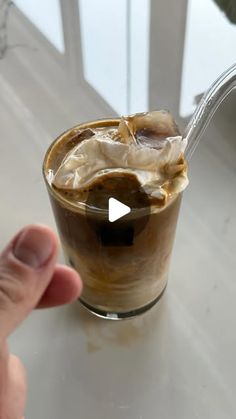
(26, 268)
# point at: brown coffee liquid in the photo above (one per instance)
(123, 265)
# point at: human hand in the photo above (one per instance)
(29, 278)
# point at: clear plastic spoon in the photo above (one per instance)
(211, 100)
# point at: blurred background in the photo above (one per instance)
(92, 58)
(64, 62)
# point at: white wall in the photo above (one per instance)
(115, 51)
(140, 38)
(209, 49)
(46, 16)
(104, 29)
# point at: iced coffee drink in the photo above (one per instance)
(138, 161)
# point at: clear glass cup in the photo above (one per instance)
(124, 265)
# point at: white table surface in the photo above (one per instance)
(178, 360)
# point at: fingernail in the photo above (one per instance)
(33, 247)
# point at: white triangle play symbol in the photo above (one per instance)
(116, 209)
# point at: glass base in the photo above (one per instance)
(121, 316)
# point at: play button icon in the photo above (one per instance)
(116, 209)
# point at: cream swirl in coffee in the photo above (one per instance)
(139, 161)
